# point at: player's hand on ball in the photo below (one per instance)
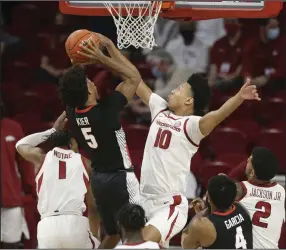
(249, 92)
(91, 51)
(198, 205)
(103, 40)
(61, 122)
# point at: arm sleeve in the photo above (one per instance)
(192, 129)
(156, 105)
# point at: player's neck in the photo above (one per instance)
(182, 111)
(259, 182)
(133, 238)
(90, 103)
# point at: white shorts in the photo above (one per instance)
(168, 214)
(13, 224)
(65, 231)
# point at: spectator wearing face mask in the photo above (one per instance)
(188, 51)
(168, 75)
(264, 59)
(225, 57)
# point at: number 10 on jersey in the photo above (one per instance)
(163, 139)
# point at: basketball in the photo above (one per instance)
(74, 40)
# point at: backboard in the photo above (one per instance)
(189, 9)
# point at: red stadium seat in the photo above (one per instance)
(228, 140)
(196, 164)
(30, 122)
(136, 136)
(232, 159)
(271, 110)
(280, 125)
(249, 127)
(213, 168)
(274, 140)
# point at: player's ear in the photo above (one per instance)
(189, 101)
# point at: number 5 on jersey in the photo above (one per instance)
(89, 137)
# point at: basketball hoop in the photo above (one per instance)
(135, 21)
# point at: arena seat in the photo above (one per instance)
(232, 159)
(213, 168)
(274, 140)
(136, 136)
(228, 140)
(249, 127)
(280, 125)
(273, 109)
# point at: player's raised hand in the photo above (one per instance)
(249, 91)
(91, 51)
(61, 122)
(105, 41)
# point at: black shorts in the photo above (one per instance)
(112, 190)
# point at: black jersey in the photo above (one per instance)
(234, 229)
(98, 132)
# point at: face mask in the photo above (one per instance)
(188, 35)
(156, 73)
(273, 33)
(231, 29)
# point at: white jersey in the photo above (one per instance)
(141, 245)
(62, 183)
(266, 205)
(172, 141)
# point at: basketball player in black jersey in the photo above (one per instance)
(226, 226)
(97, 128)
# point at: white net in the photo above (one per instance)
(137, 27)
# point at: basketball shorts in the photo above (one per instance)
(13, 225)
(168, 214)
(65, 231)
(113, 190)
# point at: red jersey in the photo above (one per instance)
(17, 175)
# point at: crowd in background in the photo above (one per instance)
(226, 51)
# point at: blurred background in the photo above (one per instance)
(227, 51)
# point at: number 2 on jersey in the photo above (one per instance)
(163, 139)
(89, 137)
(261, 214)
(240, 242)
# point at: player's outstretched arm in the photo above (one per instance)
(214, 118)
(130, 75)
(27, 146)
(199, 233)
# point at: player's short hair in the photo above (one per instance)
(201, 93)
(132, 217)
(222, 191)
(73, 87)
(62, 138)
(265, 163)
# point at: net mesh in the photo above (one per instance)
(137, 27)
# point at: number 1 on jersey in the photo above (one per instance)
(89, 137)
(163, 139)
(62, 170)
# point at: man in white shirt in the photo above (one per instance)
(188, 51)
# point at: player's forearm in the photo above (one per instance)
(35, 139)
(121, 69)
(144, 92)
(116, 54)
(214, 118)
